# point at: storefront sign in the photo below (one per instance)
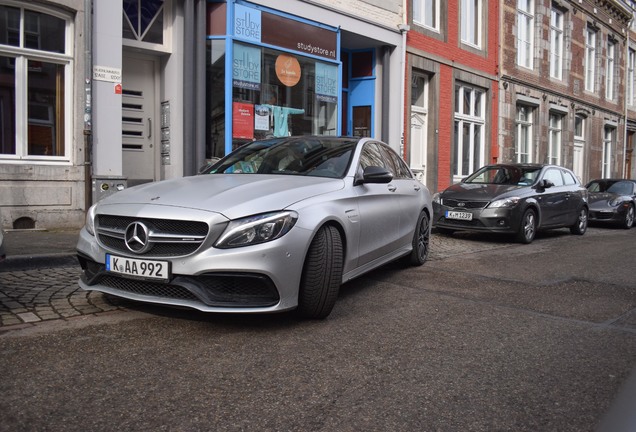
(256, 26)
(247, 23)
(298, 36)
(242, 120)
(246, 69)
(326, 82)
(287, 70)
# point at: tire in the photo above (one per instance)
(580, 226)
(322, 275)
(630, 214)
(421, 239)
(527, 227)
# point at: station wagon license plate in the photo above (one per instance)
(146, 269)
(459, 215)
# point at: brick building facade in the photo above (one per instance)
(562, 86)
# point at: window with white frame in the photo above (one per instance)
(608, 143)
(631, 64)
(590, 58)
(609, 70)
(525, 33)
(426, 13)
(555, 136)
(523, 149)
(471, 22)
(35, 91)
(579, 128)
(470, 119)
(556, 44)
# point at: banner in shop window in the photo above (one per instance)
(246, 67)
(326, 82)
(242, 120)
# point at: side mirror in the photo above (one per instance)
(375, 174)
(545, 184)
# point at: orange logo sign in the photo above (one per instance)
(288, 70)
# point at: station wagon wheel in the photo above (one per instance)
(580, 226)
(421, 238)
(629, 217)
(322, 275)
(528, 227)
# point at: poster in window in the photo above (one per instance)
(326, 82)
(261, 118)
(246, 67)
(242, 120)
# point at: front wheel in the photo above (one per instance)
(528, 227)
(322, 275)
(421, 239)
(628, 221)
(580, 226)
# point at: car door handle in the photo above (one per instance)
(416, 187)
(391, 188)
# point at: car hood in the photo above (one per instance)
(481, 192)
(602, 198)
(233, 195)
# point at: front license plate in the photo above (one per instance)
(459, 215)
(147, 269)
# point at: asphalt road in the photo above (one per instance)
(486, 336)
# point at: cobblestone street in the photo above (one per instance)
(50, 293)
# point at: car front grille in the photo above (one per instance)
(476, 223)
(210, 289)
(167, 238)
(449, 202)
(601, 215)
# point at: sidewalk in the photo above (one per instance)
(36, 248)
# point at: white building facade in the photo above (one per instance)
(162, 86)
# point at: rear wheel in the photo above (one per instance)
(580, 226)
(528, 227)
(628, 221)
(322, 275)
(421, 238)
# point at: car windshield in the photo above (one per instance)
(505, 175)
(621, 188)
(600, 185)
(309, 156)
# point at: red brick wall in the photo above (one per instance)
(455, 57)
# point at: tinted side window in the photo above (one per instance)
(554, 175)
(371, 156)
(569, 178)
(401, 170)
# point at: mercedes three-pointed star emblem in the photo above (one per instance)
(137, 238)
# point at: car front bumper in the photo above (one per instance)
(253, 279)
(499, 220)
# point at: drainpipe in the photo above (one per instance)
(88, 96)
(404, 28)
(629, 26)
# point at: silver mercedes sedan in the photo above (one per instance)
(276, 225)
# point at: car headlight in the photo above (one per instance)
(256, 229)
(90, 220)
(504, 203)
(437, 198)
(615, 202)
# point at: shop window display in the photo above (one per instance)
(279, 94)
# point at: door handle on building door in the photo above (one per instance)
(149, 127)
